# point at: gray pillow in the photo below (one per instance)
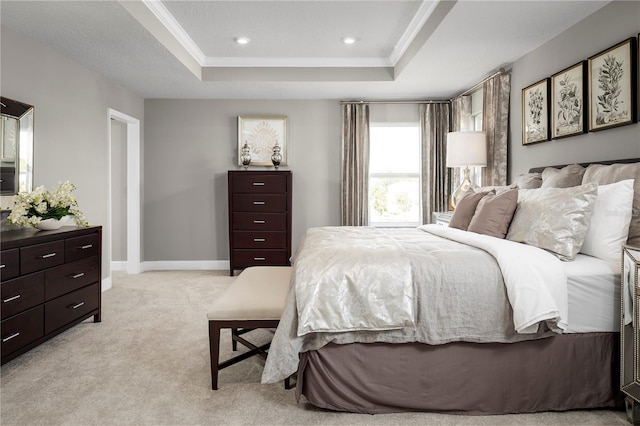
(554, 219)
(565, 177)
(528, 181)
(465, 209)
(494, 213)
(613, 173)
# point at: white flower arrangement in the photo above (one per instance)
(32, 207)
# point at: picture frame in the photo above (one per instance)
(535, 112)
(261, 133)
(568, 107)
(613, 86)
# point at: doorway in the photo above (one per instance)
(124, 177)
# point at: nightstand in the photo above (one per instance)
(442, 218)
(629, 332)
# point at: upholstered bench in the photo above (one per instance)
(254, 300)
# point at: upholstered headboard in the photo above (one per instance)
(625, 160)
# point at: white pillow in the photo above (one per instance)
(610, 220)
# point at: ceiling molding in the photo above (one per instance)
(434, 19)
(416, 24)
(167, 19)
(150, 21)
(297, 74)
(296, 62)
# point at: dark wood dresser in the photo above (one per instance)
(259, 218)
(49, 282)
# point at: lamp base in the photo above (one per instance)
(465, 185)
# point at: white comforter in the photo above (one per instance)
(535, 279)
(500, 291)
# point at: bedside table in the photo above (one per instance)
(629, 332)
(442, 218)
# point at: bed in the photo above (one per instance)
(547, 341)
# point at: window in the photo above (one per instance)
(394, 174)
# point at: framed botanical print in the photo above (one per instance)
(535, 112)
(568, 107)
(613, 86)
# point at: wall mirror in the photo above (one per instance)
(16, 148)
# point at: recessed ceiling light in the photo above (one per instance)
(242, 40)
(349, 40)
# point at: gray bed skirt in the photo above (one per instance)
(566, 372)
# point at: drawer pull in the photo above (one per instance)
(259, 258)
(17, 296)
(259, 240)
(48, 255)
(259, 221)
(88, 246)
(77, 305)
(258, 183)
(6, 339)
(258, 203)
(3, 266)
(78, 275)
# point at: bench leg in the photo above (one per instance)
(214, 349)
(234, 343)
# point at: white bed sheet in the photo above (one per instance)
(594, 295)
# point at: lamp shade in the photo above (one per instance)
(466, 149)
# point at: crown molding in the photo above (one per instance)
(174, 27)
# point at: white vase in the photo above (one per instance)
(50, 224)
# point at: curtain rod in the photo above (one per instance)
(395, 102)
(477, 85)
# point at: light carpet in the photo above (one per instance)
(147, 363)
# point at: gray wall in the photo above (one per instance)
(189, 147)
(71, 124)
(613, 23)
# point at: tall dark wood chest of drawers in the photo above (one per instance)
(259, 218)
(49, 282)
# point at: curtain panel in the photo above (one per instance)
(354, 204)
(434, 126)
(495, 122)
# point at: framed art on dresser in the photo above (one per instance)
(613, 86)
(535, 112)
(262, 134)
(568, 107)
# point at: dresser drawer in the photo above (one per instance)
(71, 276)
(259, 239)
(259, 203)
(22, 293)
(9, 264)
(243, 258)
(260, 221)
(254, 183)
(80, 247)
(41, 256)
(64, 309)
(20, 330)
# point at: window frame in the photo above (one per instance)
(378, 175)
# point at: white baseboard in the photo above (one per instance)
(183, 265)
(120, 265)
(106, 283)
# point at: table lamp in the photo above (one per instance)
(466, 149)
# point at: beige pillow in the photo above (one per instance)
(494, 213)
(603, 175)
(528, 181)
(465, 209)
(565, 177)
(554, 219)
